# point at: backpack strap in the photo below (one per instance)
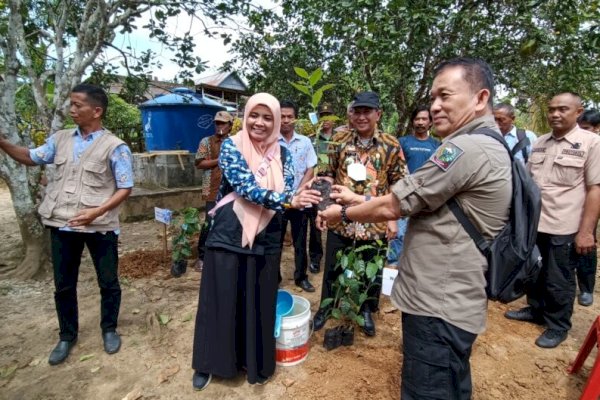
(482, 244)
(523, 142)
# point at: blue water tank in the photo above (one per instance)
(178, 120)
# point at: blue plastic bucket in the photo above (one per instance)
(285, 305)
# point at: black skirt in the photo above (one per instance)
(236, 315)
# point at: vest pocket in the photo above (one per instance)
(93, 174)
(92, 202)
(48, 204)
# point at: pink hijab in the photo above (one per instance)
(252, 217)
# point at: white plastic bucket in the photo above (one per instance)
(291, 347)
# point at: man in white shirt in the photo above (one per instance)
(519, 140)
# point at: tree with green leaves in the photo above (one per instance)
(46, 47)
(535, 47)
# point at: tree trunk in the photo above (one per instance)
(35, 238)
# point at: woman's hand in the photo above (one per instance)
(305, 198)
(392, 230)
(331, 215)
(343, 195)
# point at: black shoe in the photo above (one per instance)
(261, 380)
(306, 285)
(524, 314)
(314, 268)
(369, 326)
(61, 351)
(585, 299)
(320, 319)
(112, 342)
(551, 338)
(333, 338)
(200, 381)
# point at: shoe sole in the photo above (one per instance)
(197, 389)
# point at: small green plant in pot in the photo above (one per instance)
(351, 289)
(307, 84)
(188, 225)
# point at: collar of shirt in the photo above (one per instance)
(91, 136)
(372, 141)
(566, 137)
(512, 132)
(295, 137)
(486, 121)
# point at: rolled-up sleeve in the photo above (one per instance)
(45, 153)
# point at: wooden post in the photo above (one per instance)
(165, 252)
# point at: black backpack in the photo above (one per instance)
(523, 142)
(514, 261)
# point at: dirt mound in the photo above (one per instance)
(143, 263)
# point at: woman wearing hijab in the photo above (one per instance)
(236, 312)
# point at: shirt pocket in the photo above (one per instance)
(567, 171)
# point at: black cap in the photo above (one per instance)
(366, 99)
(325, 108)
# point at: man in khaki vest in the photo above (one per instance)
(94, 175)
(440, 286)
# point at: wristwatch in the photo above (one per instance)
(345, 218)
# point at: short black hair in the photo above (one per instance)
(95, 95)
(476, 72)
(506, 107)
(591, 116)
(289, 104)
(417, 110)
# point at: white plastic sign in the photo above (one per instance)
(163, 215)
(313, 118)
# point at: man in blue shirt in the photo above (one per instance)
(417, 148)
(93, 176)
(504, 114)
(304, 160)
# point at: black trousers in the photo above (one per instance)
(67, 248)
(335, 243)
(553, 294)
(586, 270)
(436, 359)
(299, 222)
(235, 322)
(315, 245)
(204, 229)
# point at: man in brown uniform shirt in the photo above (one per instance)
(566, 166)
(440, 286)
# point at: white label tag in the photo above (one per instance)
(357, 172)
(163, 215)
(387, 280)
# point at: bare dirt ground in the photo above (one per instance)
(154, 362)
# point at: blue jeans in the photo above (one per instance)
(395, 246)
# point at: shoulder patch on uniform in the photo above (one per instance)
(446, 155)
